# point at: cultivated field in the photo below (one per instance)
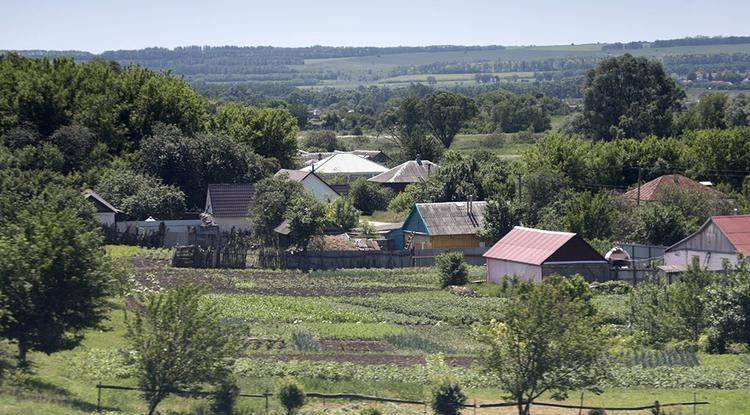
(357, 331)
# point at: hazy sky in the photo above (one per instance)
(98, 25)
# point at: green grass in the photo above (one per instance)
(498, 143)
(128, 251)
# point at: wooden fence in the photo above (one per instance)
(656, 406)
(365, 259)
(193, 256)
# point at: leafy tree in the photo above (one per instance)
(324, 140)
(689, 302)
(270, 132)
(273, 196)
(193, 162)
(452, 268)
(180, 344)
(76, 143)
(306, 217)
(546, 343)
(727, 310)
(52, 278)
(342, 214)
(738, 111)
(225, 396)
(368, 197)
(447, 398)
(403, 123)
(659, 225)
(651, 312)
(141, 196)
(508, 112)
(499, 218)
(591, 215)
(445, 113)
(632, 97)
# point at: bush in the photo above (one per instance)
(291, 396)
(611, 287)
(225, 396)
(342, 214)
(371, 411)
(452, 268)
(368, 196)
(597, 411)
(322, 140)
(305, 342)
(447, 398)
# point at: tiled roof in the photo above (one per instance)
(231, 200)
(452, 218)
(650, 190)
(737, 230)
(412, 171)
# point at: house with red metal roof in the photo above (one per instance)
(650, 191)
(532, 254)
(719, 242)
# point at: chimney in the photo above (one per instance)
(419, 159)
(468, 205)
(312, 167)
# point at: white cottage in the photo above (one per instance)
(106, 214)
(312, 183)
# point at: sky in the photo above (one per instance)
(99, 25)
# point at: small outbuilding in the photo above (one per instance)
(413, 171)
(532, 254)
(106, 214)
(719, 242)
(229, 205)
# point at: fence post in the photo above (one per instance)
(694, 400)
(265, 394)
(580, 409)
(98, 397)
(657, 408)
(475, 406)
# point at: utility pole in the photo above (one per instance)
(519, 187)
(638, 197)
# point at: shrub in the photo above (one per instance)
(225, 396)
(447, 398)
(597, 411)
(291, 396)
(611, 287)
(342, 214)
(452, 268)
(368, 196)
(322, 140)
(371, 411)
(305, 342)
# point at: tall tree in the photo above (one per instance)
(181, 343)
(629, 97)
(403, 124)
(306, 217)
(52, 275)
(546, 343)
(445, 113)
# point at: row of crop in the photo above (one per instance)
(620, 377)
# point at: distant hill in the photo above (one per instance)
(447, 65)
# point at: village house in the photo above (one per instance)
(719, 242)
(308, 157)
(446, 225)
(229, 205)
(312, 183)
(532, 254)
(106, 214)
(346, 165)
(413, 171)
(650, 191)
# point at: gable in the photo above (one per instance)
(414, 222)
(708, 238)
(576, 249)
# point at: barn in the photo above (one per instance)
(106, 214)
(719, 242)
(532, 254)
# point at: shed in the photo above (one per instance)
(106, 214)
(229, 205)
(347, 165)
(532, 254)
(445, 225)
(413, 171)
(312, 183)
(650, 190)
(719, 242)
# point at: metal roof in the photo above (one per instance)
(650, 190)
(452, 218)
(346, 163)
(412, 171)
(230, 200)
(90, 194)
(311, 157)
(737, 230)
(537, 246)
(294, 175)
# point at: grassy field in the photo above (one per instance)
(368, 331)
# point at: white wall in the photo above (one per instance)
(712, 262)
(497, 269)
(239, 223)
(319, 189)
(105, 218)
